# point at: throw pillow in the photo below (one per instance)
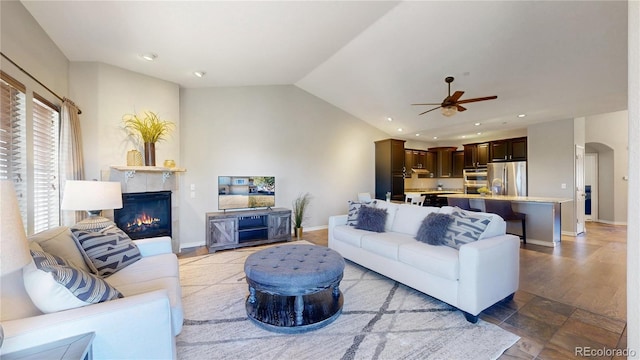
(106, 251)
(354, 208)
(54, 285)
(434, 228)
(371, 219)
(465, 228)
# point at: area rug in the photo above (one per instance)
(381, 319)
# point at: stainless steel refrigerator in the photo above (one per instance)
(508, 178)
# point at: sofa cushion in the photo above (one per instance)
(434, 228)
(441, 261)
(349, 234)
(107, 250)
(58, 241)
(354, 209)
(385, 244)
(54, 285)
(466, 227)
(409, 218)
(371, 219)
(392, 209)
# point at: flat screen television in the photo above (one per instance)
(246, 192)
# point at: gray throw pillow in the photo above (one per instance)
(465, 228)
(434, 228)
(354, 208)
(106, 251)
(371, 219)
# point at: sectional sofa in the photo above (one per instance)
(472, 278)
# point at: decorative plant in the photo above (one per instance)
(149, 127)
(299, 209)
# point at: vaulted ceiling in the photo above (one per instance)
(549, 60)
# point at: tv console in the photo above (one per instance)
(234, 229)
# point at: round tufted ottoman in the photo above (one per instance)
(294, 288)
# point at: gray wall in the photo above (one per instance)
(551, 163)
(306, 143)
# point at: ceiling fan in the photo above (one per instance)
(451, 104)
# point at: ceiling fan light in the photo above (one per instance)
(449, 111)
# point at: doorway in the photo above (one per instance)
(591, 186)
(580, 194)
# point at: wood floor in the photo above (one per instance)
(570, 297)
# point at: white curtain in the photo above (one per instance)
(71, 159)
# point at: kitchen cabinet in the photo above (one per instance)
(444, 161)
(509, 150)
(390, 169)
(476, 155)
(415, 159)
(431, 163)
(458, 163)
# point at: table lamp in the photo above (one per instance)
(92, 197)
(14, 249)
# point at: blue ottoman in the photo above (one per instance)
(294, 288)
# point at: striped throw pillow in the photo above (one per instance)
(465, 228)
(54, 285)
(107, 250)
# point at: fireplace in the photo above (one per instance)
(145, 215)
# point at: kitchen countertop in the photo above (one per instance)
(532, 199)
(433, 191)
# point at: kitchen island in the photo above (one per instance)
(543, 215)
(431, 195)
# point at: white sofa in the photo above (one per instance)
(141, 325)
(473, 278)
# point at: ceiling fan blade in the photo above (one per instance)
(435, 108)
(427, 104)
(461, 108)
(456, 95)
(477, 99)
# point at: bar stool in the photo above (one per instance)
(504, 210)
(462, 203)
(418, 200)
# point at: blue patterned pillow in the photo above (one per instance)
(354, 208)
(434, 228)
(465, 228)
(371, 219)
(106, 251)
(65, 287)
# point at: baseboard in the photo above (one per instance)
(191, 245)
(321, 227)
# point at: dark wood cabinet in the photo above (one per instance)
(415, 159)
(390, 169)
(458, 163)
(443, 161)
(509, 150)
(432, 163)
(476, 155)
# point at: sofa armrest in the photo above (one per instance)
(489, 272)
(135, 327)
(336, 220)
(154, 246)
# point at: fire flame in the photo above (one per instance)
(143, 219)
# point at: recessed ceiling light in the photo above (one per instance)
(477, 124)
(464, 136)
(478, 133)
(149, 56)
(435, 138)
(417, 134)
(389, 119)
(522, 115)
(399, 129)
(199, 73)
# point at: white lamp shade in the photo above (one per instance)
(91, 195)
(14, 248)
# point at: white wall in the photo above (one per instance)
(550, 158)
(633, 230)
(106, 93)
(306, 143)
(611, 129)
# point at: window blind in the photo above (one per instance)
(46, 193)
(13, 133)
